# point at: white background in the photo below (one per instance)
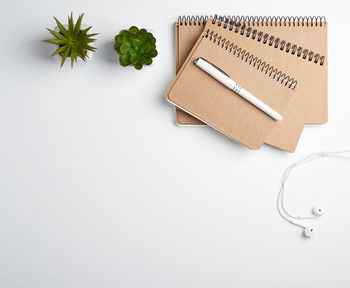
(99, 187)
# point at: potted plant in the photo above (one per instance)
(136, 47)
(72, 40)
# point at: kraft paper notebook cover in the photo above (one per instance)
(197, 93)
(308, 33)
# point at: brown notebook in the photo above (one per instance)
(200, 95)
(300, 36)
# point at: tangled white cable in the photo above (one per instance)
(317, 211)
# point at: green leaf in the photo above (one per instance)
(65, 54)
(117, 49)
(133, 58)
(135, 42)
(88, 47)
(138, 66)
(91, 35)
(148, 61)
(73, 55)
(56, 34)
(126, 39)
(70, 23)
(59, 50)
(85, 30)
(78, 25)
(81, 52)
(124, 60)
(147, 47)
(61, 27)
(142, 59)
(124, 33)
(154, 53)
(56, 41)
(143, 39)
(89, 40)
(118, 39)
(125, 47)
(133, 29)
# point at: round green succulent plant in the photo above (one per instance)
(136, 47)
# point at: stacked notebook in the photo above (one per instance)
(282, 61)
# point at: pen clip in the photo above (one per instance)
(216, 67)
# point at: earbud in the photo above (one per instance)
(309, 231)
(317, 211)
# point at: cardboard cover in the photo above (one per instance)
(311, 108)
(197, 93)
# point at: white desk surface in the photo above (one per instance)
(99, 187)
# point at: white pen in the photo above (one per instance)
(224, 79)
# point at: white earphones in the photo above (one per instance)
(309, 231)
(317, 211)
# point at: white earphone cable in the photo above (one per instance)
(280, 199)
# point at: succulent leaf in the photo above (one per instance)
(65, 55)
(56, 41)
(56, 34)
(59, 50)
(136, 47)
(133, 29)
(78, 25)
(124, 60)
(86, 30)
(61, 28)
(70, 23)
(72, 42)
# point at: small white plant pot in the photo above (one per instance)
(58, 58)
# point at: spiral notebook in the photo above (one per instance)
(303, 37)
(201, 96)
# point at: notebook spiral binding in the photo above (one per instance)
(192, 19)
(248, 31)
(318, 21)
(243, 25)
(251, 60)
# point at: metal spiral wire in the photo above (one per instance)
(317, 21)
(244, 55)
(192, 20)
(242, 27)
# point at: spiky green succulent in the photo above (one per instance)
(135, 47)
(72, 42)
